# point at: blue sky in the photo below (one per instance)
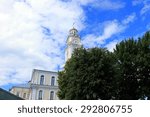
(33, 32)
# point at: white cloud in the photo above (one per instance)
(146, 5)
(145, 9)
(32, 35)
(109, 4)
(85, 2)
(136, 2)
(101, 4)
(90, 40)
(129, 19)
(148, 26)
(110, 28)
(111, 46)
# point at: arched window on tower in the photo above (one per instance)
(51, 95)
(40, 95)
(52, 81)
(42, 80)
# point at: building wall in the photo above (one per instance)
(46, 94)
(21, 92)
(32, 92)
(36, 75)
(46, 87)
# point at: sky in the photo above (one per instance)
(33, 33)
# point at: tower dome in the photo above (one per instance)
(73, 32)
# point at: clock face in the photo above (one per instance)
(75, 42)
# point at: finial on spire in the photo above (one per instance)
(73, 24)
(73, 31)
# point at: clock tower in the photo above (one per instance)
(73, 41)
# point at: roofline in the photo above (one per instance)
(9, 93)
(73, 29)
(19, 87)
(34, 70)
(44, 71)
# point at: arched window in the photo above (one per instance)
(52, 81)
(42, 80)
(40, 95)
(51, 95)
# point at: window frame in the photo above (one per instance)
(42, 78)
(40, 95)
(53, 81)
(52, 95)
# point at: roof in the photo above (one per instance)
(22, 86)
(5, 95)
(73, 29)
(44, 71)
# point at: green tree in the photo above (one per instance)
(133, 63)
(143, 59)
(126, 52)
(97, 73)
(88, 74)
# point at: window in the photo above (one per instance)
(28, 96)
(18, 94)
(42, 80)
(51, 95)
(52, 81)
(40, 95)
(24, 95)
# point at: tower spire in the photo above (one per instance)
(73, 24)
(73, 42)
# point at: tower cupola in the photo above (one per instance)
(73, 41)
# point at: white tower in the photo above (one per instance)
(73, 41)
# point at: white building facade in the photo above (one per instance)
(43, 84)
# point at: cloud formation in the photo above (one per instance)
(129, 19)
(111, 46)
(110, 28)
(33, 33)
(109, 4)
(145, 5)
(101, 4)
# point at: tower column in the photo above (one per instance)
(73, 42)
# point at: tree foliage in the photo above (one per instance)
(87, 75)
(97, 73)
(133, 61)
